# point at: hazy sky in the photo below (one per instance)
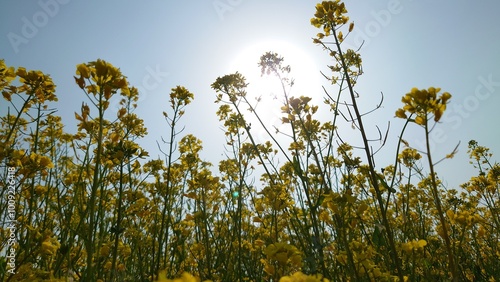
(160, 44)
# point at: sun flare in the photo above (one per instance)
(267, 89)
(303, 70)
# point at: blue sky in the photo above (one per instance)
(160, 44)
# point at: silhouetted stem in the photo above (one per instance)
(373, 174)
(437, 201)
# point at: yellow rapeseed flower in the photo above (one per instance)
(414, 245)
(301, 277)
(185, 277)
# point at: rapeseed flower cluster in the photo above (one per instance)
(423, 102)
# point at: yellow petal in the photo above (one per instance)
(83, 70)
(420, 120)
(400, 113)
(422, 243)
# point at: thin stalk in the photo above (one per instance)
(118, 222)
(96, 181)
(437, 201)
(166, 199)
(371, 165)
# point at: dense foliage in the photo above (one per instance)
(92, 205)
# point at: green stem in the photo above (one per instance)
(373, 174)
(96, 181)
(118, 221)
(437, 201)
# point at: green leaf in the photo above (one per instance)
(377, 237)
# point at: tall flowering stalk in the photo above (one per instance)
(331, 16)
(424, 106)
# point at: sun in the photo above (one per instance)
(267, 89)
(304, 71)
